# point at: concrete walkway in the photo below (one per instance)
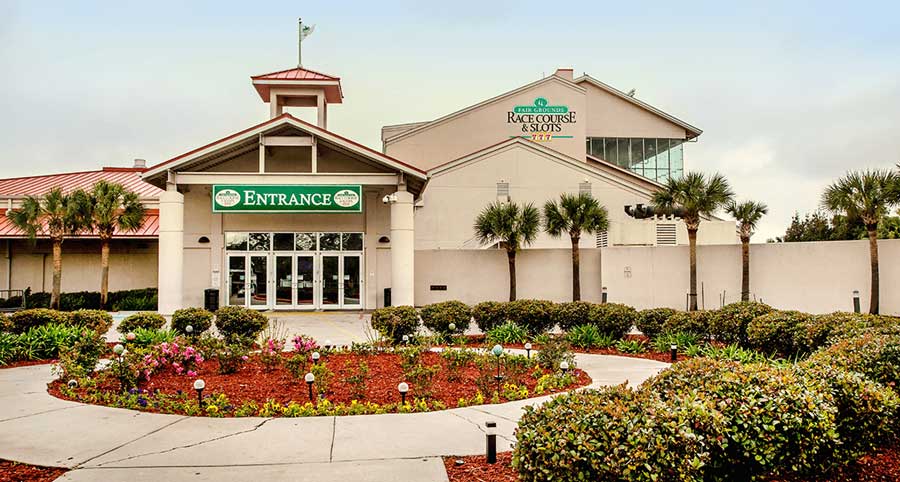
(102, 443)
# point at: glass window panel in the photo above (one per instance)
(609, 150)
(624, 148)
(351, 280)
(662, 156)
(587, 145)
(330, 241)
(236, 280)
(236, 241)
(330, 282)
(260, 241)
(676, 158)
(352, 241)
(259, 276)
(284, 241)
(306, 242)
(649, 155)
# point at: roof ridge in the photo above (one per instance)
(296, 68)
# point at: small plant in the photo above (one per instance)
(439, 317)
(683, 340)
(270, 353)
(410, 356)
(515, 368)
(296, 365)
(489, 314)
(650, 322)
(97, 320)
(198, 319)
(393, 322)
(304, 344)
(151, 336)
(357, 379)
(323, 378)
(507, 333)
(230, 357)
(80, 359)
(456, 361)
(145, 319)
(182, 359)
(553, 352)
(589, 336)
(512, 391)
(631, 346)
(21, 321)
(733, 352)
(240, 325)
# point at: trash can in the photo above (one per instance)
(211, 299)
(387, 297)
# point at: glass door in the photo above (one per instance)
(306, 281)
(237, 280)
(259, 281)
(331, 285)
(351, 289)
(284, 280)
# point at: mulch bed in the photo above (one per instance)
(479, 341)
(881, 466)
(254, 382)
(18, 472)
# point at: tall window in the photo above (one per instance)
(656, 159)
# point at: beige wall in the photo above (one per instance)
(132, 265)
(608, 115)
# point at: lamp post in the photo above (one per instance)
(856, 301)
(603, 294)
(674, 351)
(564, 366)
(315, 357)
(528, 350)
(199, 385)
(403, 387)
(491, 442)
(310, 378)
(498, 351)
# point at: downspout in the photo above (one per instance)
(44, 273)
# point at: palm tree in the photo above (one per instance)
(513, 227)
(691, 197)
(747, 213)
(111, 207)
(575, 214)
(865, 196)
(57, 215)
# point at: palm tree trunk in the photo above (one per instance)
(873, 258)
(576, 269)
(57, 274)
(104, 272)
(745, 269)
(692, 296)
(511, 257)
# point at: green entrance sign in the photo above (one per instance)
(265, 198)
(541, 106)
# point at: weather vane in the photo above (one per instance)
(303, 31)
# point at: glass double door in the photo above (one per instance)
(296, 280)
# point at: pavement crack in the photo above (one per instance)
(39, 413)
(333, 434)
(129, 442)
(172, 449)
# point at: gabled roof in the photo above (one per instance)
(603, 169)
(273, 123)
(691, 131)
(37, 185)
(505, 95)
(149, 228)
(299, 77)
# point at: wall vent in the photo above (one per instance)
(503, 191)
(603, 239)
(584, 187)
(665, 234)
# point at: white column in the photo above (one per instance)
(322, 106)
(402, 250)
(171, 250)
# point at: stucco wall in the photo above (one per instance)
(814, 277)
(610, 116)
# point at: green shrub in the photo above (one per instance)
(775, 332)
(437, 317)
(816, 331)
(239, 324)
(631, 346)
(506, 333)
(22, 321)
(776, 421)
(198, 319)
(9, 343)
(693, 322)
(152, 336)
(684, 341)
(613, 434)
(489, 314)
(875, 355)
(44, 342)
(134, 300)
(729, 324)
(97, 320)
(589, 336)
(127, 300)
(393, 322)
(650, 322)
(571, 314)
(732, 352)
(81, 357)
(613, 318)
(554, 350)
(848, 325)
(145, 319)
(533, 315)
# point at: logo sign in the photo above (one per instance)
(541, 121)
(287, 198)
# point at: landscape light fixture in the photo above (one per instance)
(405, 339)
(564, 366)
(189, 329)
(497, 351)
(451, 327)
(674, 350)
(603, 294)
(316, 356)
(73, 383)
(403, 387)
(528, 350)
(119, 349)
(327, 344)
(199, 385)
(310, 378)
(856, 301)
(491, 442)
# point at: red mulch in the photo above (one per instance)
(479, 341)
(26, 363)
(254, 382)
(881, 466)
(18, 472)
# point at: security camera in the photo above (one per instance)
(390, 198)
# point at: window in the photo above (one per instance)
(656, 159)
(352, 241)
(330, 241)
(284, 242)
(306, 242)
(260, 241)
(236, 241)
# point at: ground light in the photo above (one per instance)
(528, 350)
(316, 356)
(130, 336)
(310, 378)
(119, 349)
(603, 294)
(405, 339)
(403, 387)
(497, 351)
(73, 383)
(856, 301)
(564, 366)
(674, 350)
(327, 344)
(189, 329)
(199, 385)
(490, 436)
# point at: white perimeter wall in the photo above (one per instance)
(814, 277)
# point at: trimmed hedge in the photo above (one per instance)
(239, 324)
(147, 320)
(533, 315)
(614, 319)
(97, 320)
(393, 322)
(729, 324)
(198, 319)
(437, 317)
(776, 332)
(22, 321)
(650, 322)
(489, 314)
(693, 322)
(126, 300)
(875, 355)
(570, 314)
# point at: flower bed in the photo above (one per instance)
(17, 472)
(266, 387)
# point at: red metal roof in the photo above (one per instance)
(301, 77)
(298, 73)
(69, 181)
(149, 229)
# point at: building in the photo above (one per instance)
(287, 214)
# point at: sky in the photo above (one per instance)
(790, 95)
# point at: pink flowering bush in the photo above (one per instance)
(304, 344)
(183, 360)
(270, 352)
